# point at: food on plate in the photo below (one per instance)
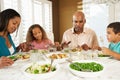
(19, 56)
(58, 56)
(39, 68)
(86, 66)
(13, 57)
(103, 55)
(39, 51)
(75, 49)
(23, 56)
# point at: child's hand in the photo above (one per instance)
(24, 47)
(106, 51)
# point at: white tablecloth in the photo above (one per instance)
(14, 72)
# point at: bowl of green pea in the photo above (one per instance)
(86, 68)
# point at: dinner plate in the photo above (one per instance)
(21, 56)
(86, 74)
(41, 75)
(58, 57)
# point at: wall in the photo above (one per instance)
(66, 10)
(62, 16)
(55, 12)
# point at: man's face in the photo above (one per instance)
(78, 23)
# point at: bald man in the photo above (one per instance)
(79, 34)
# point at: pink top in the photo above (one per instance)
(42, 45)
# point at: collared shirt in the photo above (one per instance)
(115, 47)
(88, 37)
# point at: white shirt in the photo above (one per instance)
(11, 49)
(88, 37)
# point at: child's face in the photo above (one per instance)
(111, 36)
(37, 33)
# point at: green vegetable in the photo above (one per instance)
(101, 55)
(36, 71)
(12, 57)
(93, 66)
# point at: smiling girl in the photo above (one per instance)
(37, 37)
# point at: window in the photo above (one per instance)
(97, 18)
(32, 12)
(99, 13)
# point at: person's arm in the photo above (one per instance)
(110, 52)
(24, 47)
(4, 61)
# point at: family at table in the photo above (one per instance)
(76, 37)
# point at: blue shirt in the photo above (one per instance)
(4, 50)
(115, 47)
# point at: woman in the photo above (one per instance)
(9, 23)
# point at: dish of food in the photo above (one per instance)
(101, 54)
(58, 56)
(40, 70)
(43, 51)
(85, 68)
(20, 56)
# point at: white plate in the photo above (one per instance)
(58, 60)
(21, 56)
(42, 51)
(86, 74)
(40, 76)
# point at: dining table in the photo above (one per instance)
(111, 72)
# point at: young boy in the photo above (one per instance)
(113, 36)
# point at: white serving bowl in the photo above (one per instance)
(86, 74)
(42, 75)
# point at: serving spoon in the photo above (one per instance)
(83, 70)
(50, 65)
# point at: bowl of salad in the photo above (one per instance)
(86, 68)
(40, 70)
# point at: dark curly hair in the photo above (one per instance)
(30, 36)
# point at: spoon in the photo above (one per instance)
(50, 65)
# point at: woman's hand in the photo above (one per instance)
(4, 61)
